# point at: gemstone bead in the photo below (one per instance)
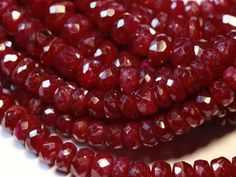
(230, 77)
(177, 26)
(128, 107)
(128, 79)
(181, 169)
(233, 166)
(139, 169)
(159, 22)
(80, 130)
(113, 136)
(64, 124)
(147, 134)
(130, 135)
(5, 103)
(221, 167)
(5, 4)
(96, 104)
(40, 7)
(120, 167)
(161, 169)
(202, 169)
(96, 132)
(35, 106)
(126, 59)
(49, 116)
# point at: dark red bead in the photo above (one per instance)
(139, 169)
(49, 116)
(126, 59)
(147, 134)
(194, 27)
(230, 77)
(181, 169)
(233, 166)
(5, 103)
(129, 107)
(202, 169)
(64, 124)
(161, 169)
(40, 8)
(113, 136)
(96, 104)
(162, 95)
(221, 167)
(96, 132)
(4, 4)
(159, 22)
(177, 26)
(177, 7)
(80, 130)
(120, 167)
(192, 9)
(35, 106)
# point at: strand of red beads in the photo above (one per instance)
(87, 163)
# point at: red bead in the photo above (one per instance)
(230, 77)
(35, 139)
(96, 104)
(177, 26)
(139, 169)
(147, 134)
(113, 136)
(49, 116)
(142, 13)
(5, 103)
(194, 27)
(81, 165)
(40, 8)
(161, 169)
(80, 130)
(64, 124)
(129, 78)
(130, 134)
(192, 9)
(221, 167)
(202, 169)
(65, 157)
(4, 4)
(126, 59)
(181, 169)
(162, 95)
(12, 116)
(129, 107)
(159, 23)
(96, 132)
(120, 167)
(35, 106)
(177, 7)
(233, 166)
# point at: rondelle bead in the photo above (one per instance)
(202, 169)
(49, 116)
(147, 134)
(4, 4)
(120, 167)
(161, 169)
(96, 132)
(233, 166)
(221, 167)
(129, 78)
(35, 106)
(95, 104)
(162, 94)
(230, 77)
(177, 26)
(80, 130)
(142, 13)
(64, 124)
(181, 169)
(128, 107)
(126, 59)
(6, 102)
(113, 136)
(139, 169)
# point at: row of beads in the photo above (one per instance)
(84, 162)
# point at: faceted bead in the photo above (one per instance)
(24, 126)
(160, 49)
(96, 132)
(120, 167)
(142, 13)
(4, 4)
(22, 70)
(208, 7)
(81, 164)
(96, 104)
(233, 166)
(102, 165)
(130, 135)
(5, 103)
(177, 26)
(230, 77)
(161, 169)
(23, 97)
(65, 157)
(64, 124)
(50, 149)
(113, 136)
(88, 73)
(49, 116)
(194, 28)
(159, 23)
(124, 27)
(192, 9)
(35, 139)
(126, 59)
(221, 167)
(146, 102)
(40, 7)
(141, 39)
(139, 169)
(35, 106)
(206, 104)
(222, 93)
(177, 122)
(80, 130)
(202, 169)
(128, 79)
(177, 7)
(12, 116)
(147, 134)
(162, 95)
(128, 107)
(181, 169)
(147, 76)
(192, 114)
(162, 129)
(210, 27)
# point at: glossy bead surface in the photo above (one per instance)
(113, 136)
(161, 169)
(202, 169)
(96, 131)
(49, 116)
(230, 77)
(120, 167)
(131, 137)
(147, 134)
(80, 130)
(221, 167)
(64, 124)
(96, 104)
(128, 79)
(139, 169)
(181, 169)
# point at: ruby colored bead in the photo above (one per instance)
(4, 4)
(147, 134)
(183, 52)
(126, 59)
(113, 136)
(124, 27)
(23, 97)
(145, 100)
(161, 169)
(130, 135)
(192, 114)
(49, 116)
(12, 116)
(194, 28)
(79, 101)
(22, 70)
(181, 169)
(202, 169)
(65, 157)
(88, 73)
(48, 87)
(139, 169)
(35, 106)
(142, 13)
(233, 166)
(102, 165)
(141, 39)
(162, 128)
(96, 132)
(6, 102)
(58, 13)
(40, 8)
(206, 104)
(160, 49)
(177, 122)
(210, 27)
(80, 130)
(177, 26)
(162, 95)
(192, 9)
(62, 97)
(24, 126)
(96, 104)
(64, 124)
(128, 107)
(147, 76)
(208, 7)
(35, 139)
(159, 23)
(221, 167)
(120, 167)
(222, 93)
(49, 149)
(177, 7)
(230, 77)
(81, 164)
(128, 79)
(74, 28)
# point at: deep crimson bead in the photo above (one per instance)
(4, 4)
(161, 92)
(64, 124)
(208, 7)
(65, 157)
(128, 79)
(192, 113)
(142, 13)
(130, 135)
(221, 167)
(96, 132)
(49, 116)
(35, 139)
(81, 164)
(5, 103)
(200, 46)
(159, 22)
(58, 13)
(160, 49)
(35, 106)
(147, 76)
(141, 39)
(49, 149)
(124, 27)
(128, 107)
(62, 97)
(177, 26)
(22, 70)
(202, 169)
(88, 73)
(139, 169)
(24, 126)
(74, 28)
(222, 93)
(23, 97)
(96, 104)
(233, 166)
(162, 128)
(120, 167)
(177, 7)
(126, 59)
(12, 116)
(181, 169)
(147, 134)
(161, 169)
(230, 77)
(192, 9)
(113, 136)
(210, 27)
(177, 122)
(206, 104)
(80, 130)
(194, 28)
(40, 7)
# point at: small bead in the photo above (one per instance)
(49, 116)
(126, 59)
(202, 169)
(80, 130)
(177, 26)
(4, 4)
(147, 134)
(233, 166)
(64, 124)
(142, 13)
(181, 169)
(35, 106)
(161, 169)
(221, 167)
(113, 136)
(96, 131)
(120, 167)
(139, 169)
(5, 103)
(128, 107)
(161, 92)
(96, 104)
(230, 77)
